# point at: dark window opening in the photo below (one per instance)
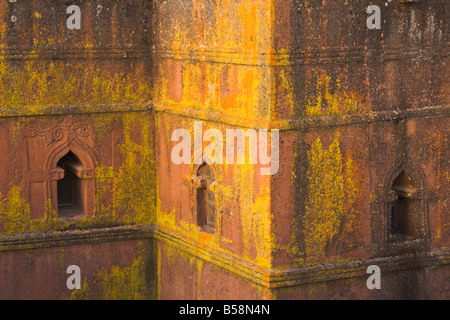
(206, 208)
(404, 224)
(70, 188)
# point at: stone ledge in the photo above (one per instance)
(299, 124)
(77, 109)
(269, 278)
(286, 277)
(70, 238)
(302, 124)
(362, 118)
(358, 268)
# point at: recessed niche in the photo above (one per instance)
(70, 188)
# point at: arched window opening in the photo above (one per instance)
(206, 208)
(70, 188)
(404, 221)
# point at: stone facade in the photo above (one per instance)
(88, 178)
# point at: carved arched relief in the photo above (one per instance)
(85, 153)
(69, 131)
(45, 149)
(405, 209)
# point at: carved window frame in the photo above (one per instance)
(86, 158)
(419, 195)
(195, 184)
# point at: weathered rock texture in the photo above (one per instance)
(363, 120)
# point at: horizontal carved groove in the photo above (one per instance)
(74, 53)
(295, 57)
(308, 56)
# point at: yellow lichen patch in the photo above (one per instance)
(174, 256)
(166, 219)
(15, 216)
(330, 98)
(199, 279)
(135, 185)
(222, 27)
(125, 284)
(331, 197)
(3, 29)
(82, 294)
(116, 284)
(240, 91)
(52, 84)
(15, 212)
(50, 221)
(288, 88)
(324, 203)
(235, 84)
(255, 215)
(103, 189)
